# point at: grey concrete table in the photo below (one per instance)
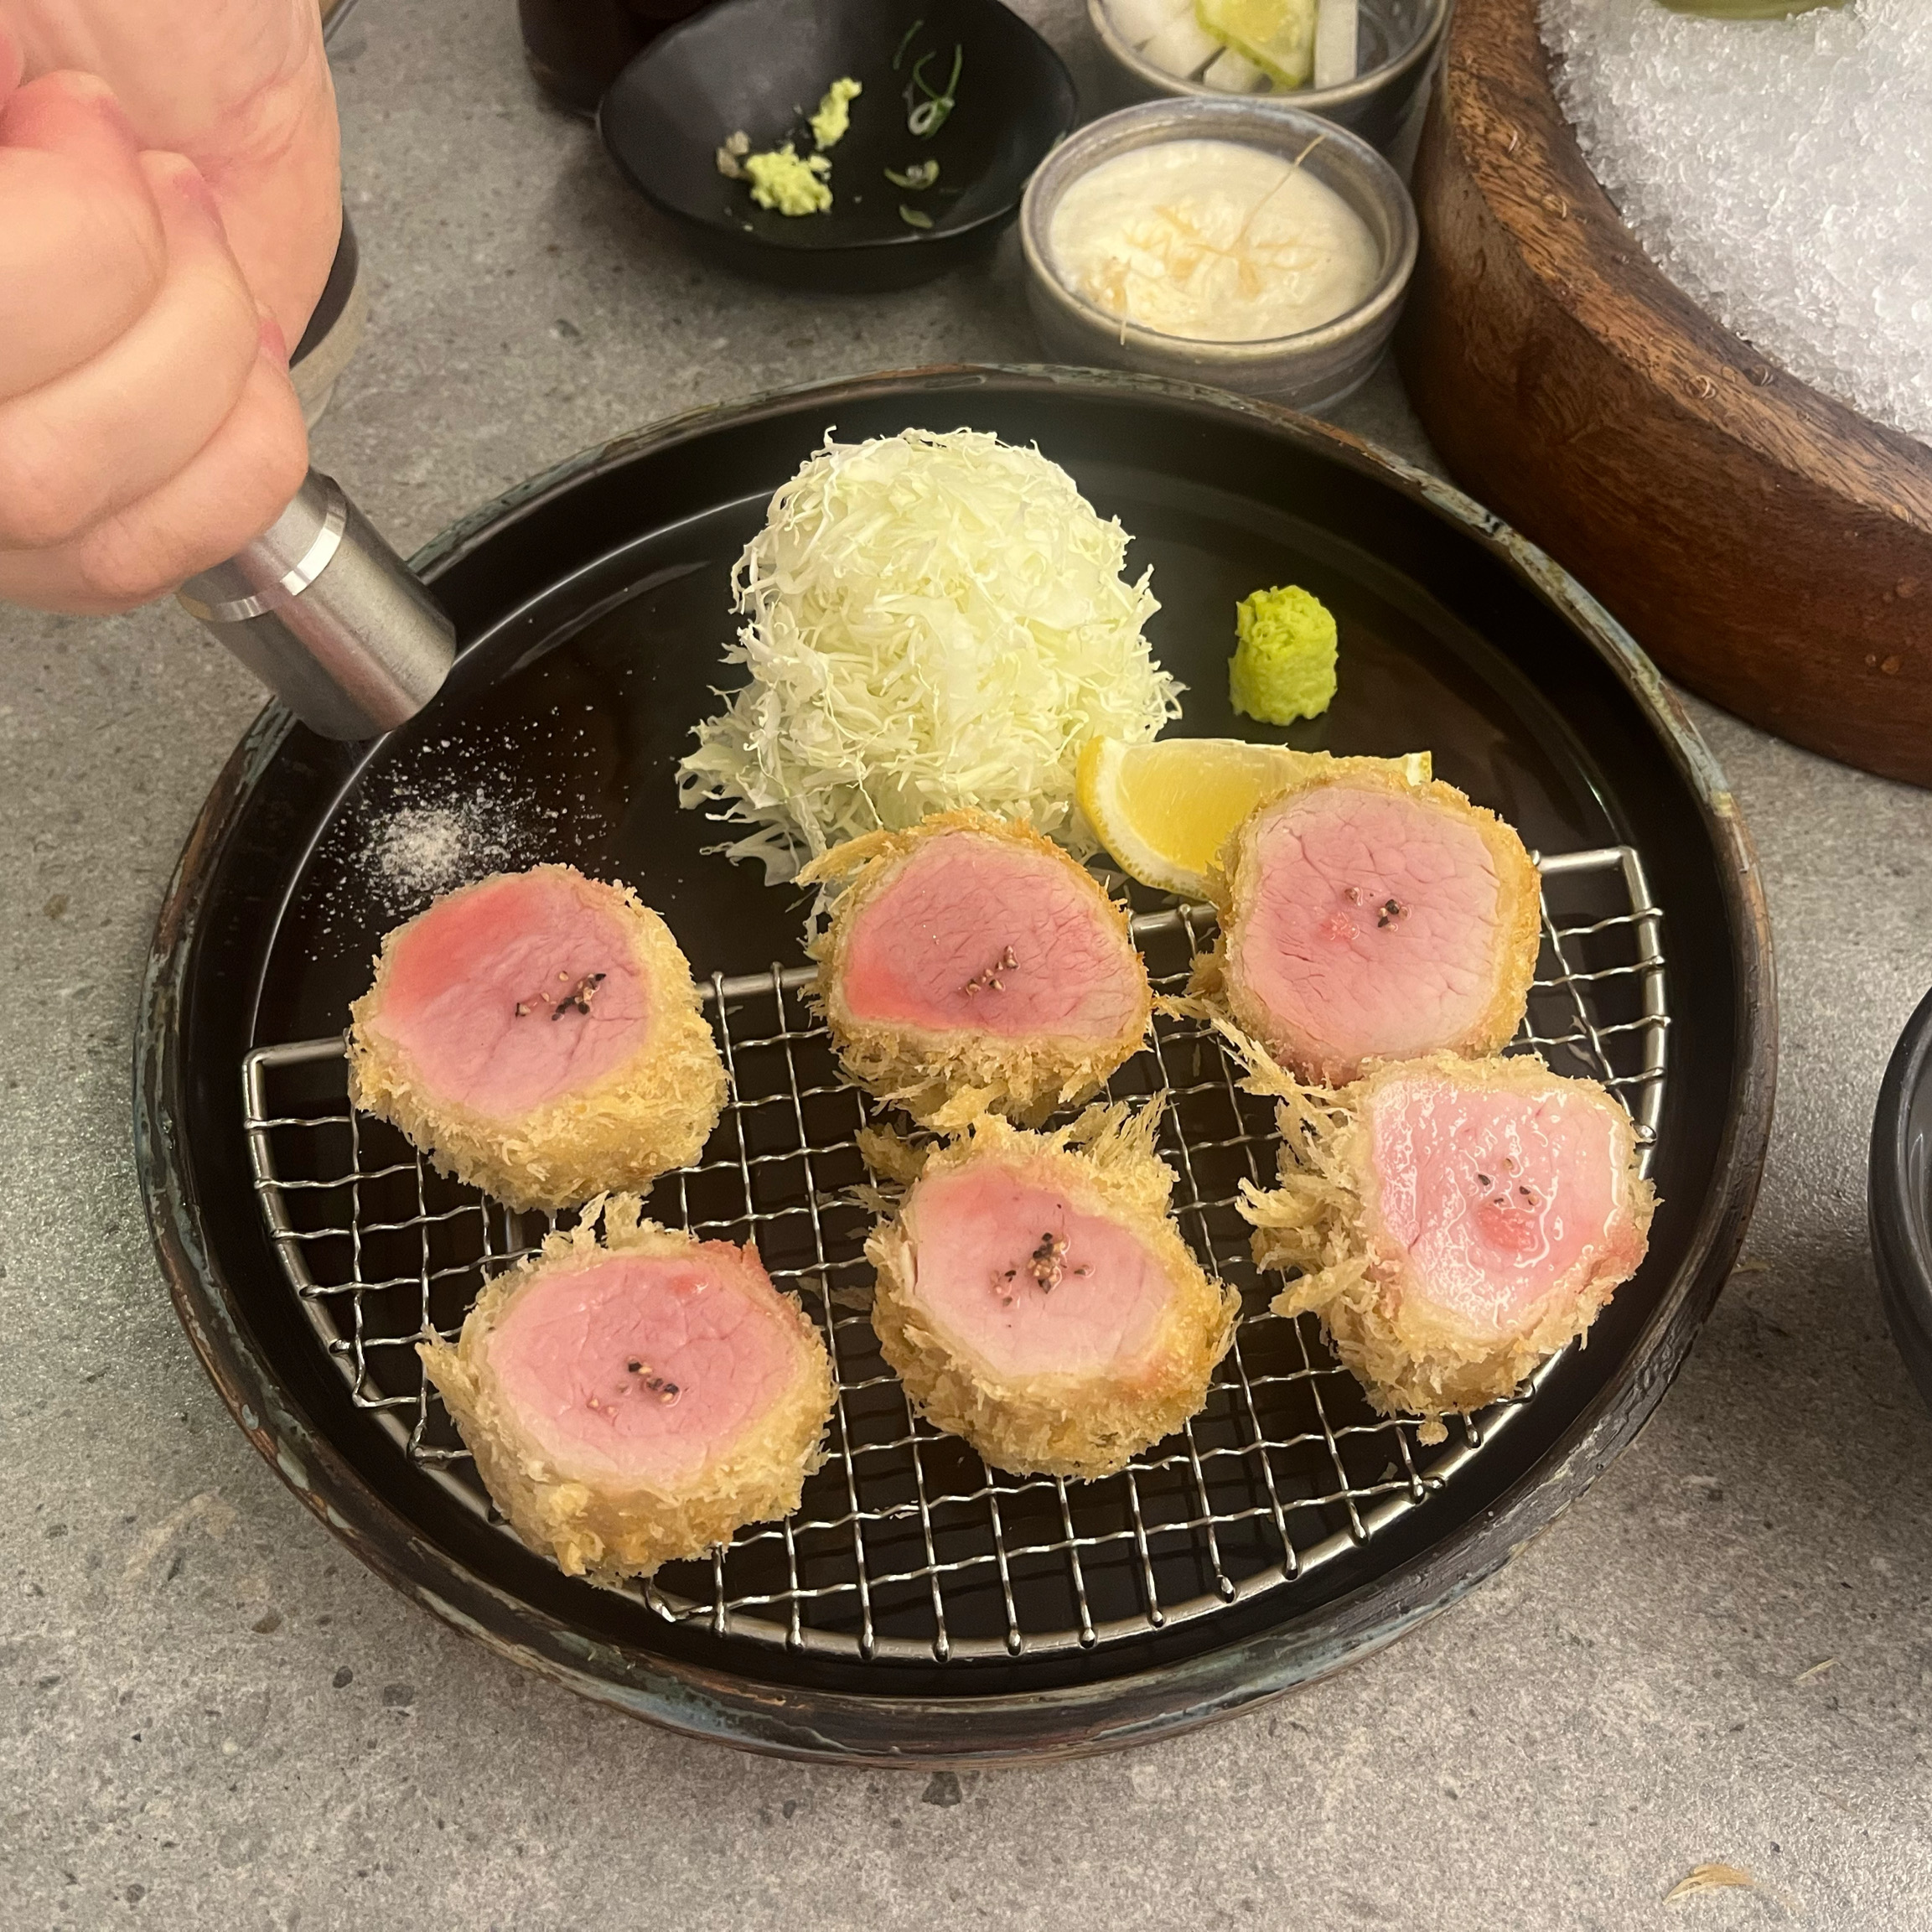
(211, 1715)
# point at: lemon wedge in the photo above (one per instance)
(1164, 811)
(1277, 35)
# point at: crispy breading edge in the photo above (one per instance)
(591, 1531)
(945, 1081)
(1519, 918)
(650, 1115)
(1410, 1359)
(1059, 1425)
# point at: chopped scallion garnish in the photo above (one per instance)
(920, 175)
(924, 118)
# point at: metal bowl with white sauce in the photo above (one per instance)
(1397, 42)
(1311, 369)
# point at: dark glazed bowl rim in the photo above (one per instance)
(701, 1698)
(1900, 1216)
(804, 247)
(336, 291)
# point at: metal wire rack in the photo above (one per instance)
(905, 1545)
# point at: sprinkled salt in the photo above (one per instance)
(1779, 172)
(422, 850)
(419, 849)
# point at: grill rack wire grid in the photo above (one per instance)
(905, 1546)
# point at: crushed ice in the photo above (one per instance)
(1779, 172)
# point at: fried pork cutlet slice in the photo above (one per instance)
(633, 1401)
(537, 1034)
(1371, 917)
(971, 965)
(1036, 1299)
(1455, 1222)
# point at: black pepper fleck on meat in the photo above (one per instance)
(580, 995)
(665, 1391)
(989, 978)
(1392, 909)
(1353, 894)
(1047, 1264)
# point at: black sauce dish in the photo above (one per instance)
(761, 66)
(1899, 1198)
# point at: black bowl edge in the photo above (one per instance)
(1901, 1227)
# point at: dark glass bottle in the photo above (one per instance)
(575, 48)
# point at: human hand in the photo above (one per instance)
(240, 87)
(148, 426)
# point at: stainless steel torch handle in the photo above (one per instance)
(328, 617)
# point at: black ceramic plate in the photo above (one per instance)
(593, 608)
(761, 66)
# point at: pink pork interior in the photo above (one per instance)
(1321, 948)
(459, 972)
(1499, 1196)
(706, 1326)
(954, 911)
(975, 1231)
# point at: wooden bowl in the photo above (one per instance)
(1769, 547)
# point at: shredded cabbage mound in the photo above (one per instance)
(932, 621)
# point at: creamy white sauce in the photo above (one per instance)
(1213, 241)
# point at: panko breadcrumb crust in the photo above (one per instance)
(944, 1079)
(648, 1115)
(1055, 1425)
(588, 1528)
(1411, 1357)
(1519, 921)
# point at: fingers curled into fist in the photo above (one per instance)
(148, 426)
